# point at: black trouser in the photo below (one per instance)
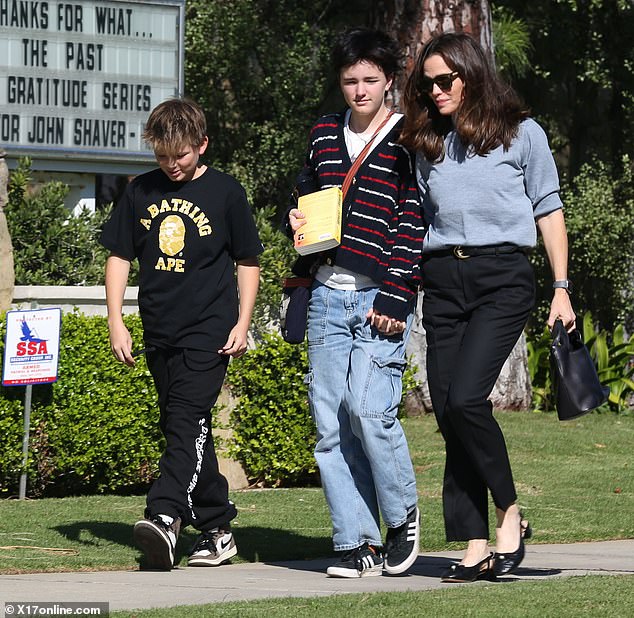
(190, 486)
(474, 311)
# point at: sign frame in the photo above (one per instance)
(30, 359)
(109, 138)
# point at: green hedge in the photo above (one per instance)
(273, 433)
(274, 436)
(95, 430)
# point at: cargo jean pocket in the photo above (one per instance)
(383, 387)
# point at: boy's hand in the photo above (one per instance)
(236, 344)
(121, 343)
(296, 219)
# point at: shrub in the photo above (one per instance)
(94, 430)
(275, 264)
(599, 208)
(538, 350)
(273, 434)
(50, 245)
(613, 354)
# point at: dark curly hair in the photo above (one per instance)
(357, 44)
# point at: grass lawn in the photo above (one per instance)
(591, 596)
(574, 480)
(575, 483)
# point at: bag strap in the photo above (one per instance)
(362, 155)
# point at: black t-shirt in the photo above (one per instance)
(186, 237)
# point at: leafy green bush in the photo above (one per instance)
(94, 430)
(538, 349)
(613, 354)
(273, 434)
(50, 245)
(599, 209)
(275, 264)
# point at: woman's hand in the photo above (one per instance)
(561, 309)
(384, 323)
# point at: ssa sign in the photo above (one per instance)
(31, 351)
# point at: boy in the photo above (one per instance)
(191, 228)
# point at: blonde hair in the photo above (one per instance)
(175, 123)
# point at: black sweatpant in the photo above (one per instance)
(190, 486)
(474, 311)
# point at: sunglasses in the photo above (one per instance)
(444, 82)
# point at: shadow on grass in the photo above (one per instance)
(255, 544)
(87, 532)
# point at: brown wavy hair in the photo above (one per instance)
(488, 115)
(175, 123)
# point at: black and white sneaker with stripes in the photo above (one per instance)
(364, 561)
(401, 544)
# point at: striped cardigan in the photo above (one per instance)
(383, 229)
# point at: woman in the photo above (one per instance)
(485, 174)
(360, 312)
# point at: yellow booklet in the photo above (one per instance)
(322, 229)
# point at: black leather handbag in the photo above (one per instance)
(577, 386)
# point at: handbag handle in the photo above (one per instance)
(362, 155)
(561, 337)
(559, 333)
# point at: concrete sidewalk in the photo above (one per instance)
(192, 586)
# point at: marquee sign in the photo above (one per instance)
(78, 79)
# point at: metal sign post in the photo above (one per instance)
(25, 439)
(31, 354)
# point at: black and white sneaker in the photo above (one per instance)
(401, 544)
(157, 539)
(364, 561)
(212, 548)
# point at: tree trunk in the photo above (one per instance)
(413, 23)
(6, 249)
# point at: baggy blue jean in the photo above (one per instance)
(354, 390)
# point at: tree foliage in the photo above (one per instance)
(581, 86)
(50, 246)
(258, 69)
(512, 44)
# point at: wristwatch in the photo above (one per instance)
(566, 284)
